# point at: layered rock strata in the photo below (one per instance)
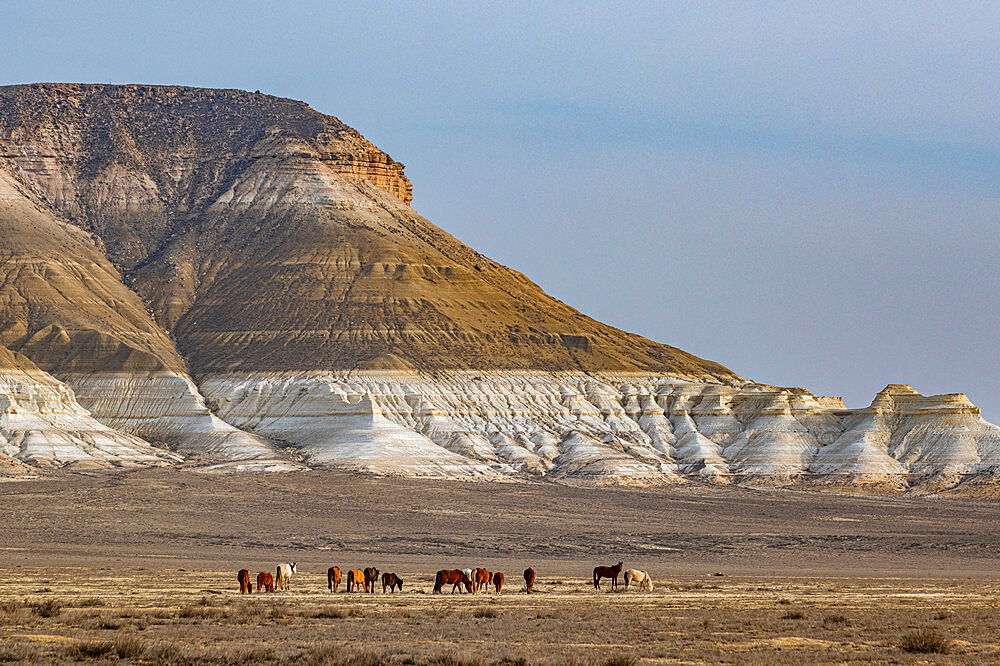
(234, 274)
(41, 423)
(602, 428)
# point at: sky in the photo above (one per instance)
(808, 193)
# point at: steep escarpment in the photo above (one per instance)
(235, 274)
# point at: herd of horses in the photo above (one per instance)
(473, 581)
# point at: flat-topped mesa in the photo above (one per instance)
(133, 162)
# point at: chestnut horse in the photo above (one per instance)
(453, 576)
(497, 582)
(371, 577)
(391, 581)
(607, 572)
(355, 580)
(333, 577)
(480, 579)
(246, 587)
(265, 582)
(529, 579)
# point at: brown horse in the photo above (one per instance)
(607, 572)
(497, 582)
(391, 581)
(333, 577)
(355, 580)
(453, 576)
(480, 579)
(246, 587)
(529, 579)
(371, 577)
(265, 582)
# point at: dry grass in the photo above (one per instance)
(925, 641)
(831, 621)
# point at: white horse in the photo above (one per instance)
(641, 577)
(284, 575)
(468, 574)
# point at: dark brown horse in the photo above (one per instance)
(391, 581)
(453, 576)
(333, 577)
(529, 579)
(371, 577)
(265, 582)
(607, 572)
(497, 582)
(246, 587)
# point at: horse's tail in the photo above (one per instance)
(329, 579)
(438, 582)
(595, 577)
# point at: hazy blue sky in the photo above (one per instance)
(808, 193)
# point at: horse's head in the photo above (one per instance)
(399, 581)
(294, 570)
(619, 566)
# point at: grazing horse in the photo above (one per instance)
(246, 587)
(453, 576)
(391, 581)
(333, 578)
(641, 577)
(607, 572)
(497, 582)
(355, 580)
(529, 579)
(480, 579)
(371, 577)
(265, 582)
(283, 575)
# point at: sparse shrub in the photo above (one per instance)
(835, 618)
(90, 602)
(162, 653)
(254, 655)
(329, 613)
(619, 660)
(21, 654)
(450, 659)
(942, 615)
(785, 602)
(47, 608)
(108, 623)
(201, 612)
(793, 615)
(925, 641)
(485, 612)
(90, 649)
(129, 647)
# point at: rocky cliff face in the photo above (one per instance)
(165, 251)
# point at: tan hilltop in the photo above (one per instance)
(221, 271)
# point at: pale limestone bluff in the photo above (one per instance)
(167, 407)
(41, 423)
(575, 427)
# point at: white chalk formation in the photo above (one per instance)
(42, 424)
(567, 427)
(627, 428)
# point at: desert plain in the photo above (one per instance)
(140, 567)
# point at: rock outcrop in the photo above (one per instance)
(236, 275)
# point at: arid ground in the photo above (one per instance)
(142, 566)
